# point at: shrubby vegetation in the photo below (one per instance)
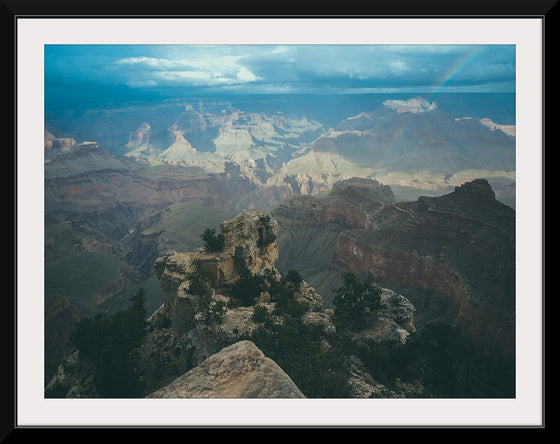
(249, 287)
(445, 362)
(266, 236)
(212, 310)
(198, 280)
(246, 290)
(213, 242)
(439, 358)
(109, 345)
(355, 302)
(299, 349)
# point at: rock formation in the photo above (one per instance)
(244, 248)
(414, 106)
(196, 342)
(182, 332)
(238, 371)
(191, 334)
(507, 129)
(453, 256)
(58, 143)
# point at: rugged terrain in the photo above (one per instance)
(419, 197)
(196, 345)
(453, 256)
(412, 144)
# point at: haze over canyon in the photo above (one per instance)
(417, 192)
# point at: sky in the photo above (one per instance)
(88, 74)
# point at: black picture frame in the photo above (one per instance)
(12, 11)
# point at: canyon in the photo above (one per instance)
(412, 144)
(453, 256)
(190, 351)
(420, 198)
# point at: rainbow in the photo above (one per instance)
(470, 56)
(459, 65)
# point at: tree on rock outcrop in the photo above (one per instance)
(356, 302)
(266, 233)
(213, 242)
(246, 290)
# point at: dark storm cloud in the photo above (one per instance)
(122, 72)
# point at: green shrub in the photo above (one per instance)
(356, 301)
(213, 242)
(212, 310)
(294, 278)
(261, 315)
(109, 344)
(266, 235)
(198, 280)
(297, 348)
(247, 288)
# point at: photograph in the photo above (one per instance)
(347, 209)
(279, 222)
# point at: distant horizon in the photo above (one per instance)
(329, 108)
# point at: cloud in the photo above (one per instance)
(245, 75)
(81, 72)
(382, 67)
(398, 66)
(209, 71)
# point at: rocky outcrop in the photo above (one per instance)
(452, 256)
(349, 204)
(249, 241)
(196, 344)
(248, 247)
(507, 129)
(53, 143)
(245, 248)
(361, 384)
(240, 370)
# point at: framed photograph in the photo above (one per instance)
(273, 217)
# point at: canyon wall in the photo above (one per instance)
(453, 256)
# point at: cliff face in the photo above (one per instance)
(441, 288)
(350, 204)
(243, 249)
(55, 144)
(453, 256)
(310, 226)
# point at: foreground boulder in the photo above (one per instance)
(238, 371)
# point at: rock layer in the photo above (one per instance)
(244, 249)
(452, 256)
